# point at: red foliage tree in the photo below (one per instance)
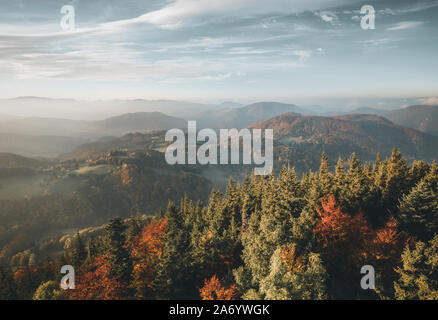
(343, 236)
(385, 250)
(350, 243)
(97, 284)
(146, 252)
(214, 289)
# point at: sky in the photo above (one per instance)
(303, 51)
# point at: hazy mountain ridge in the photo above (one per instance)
(245, 116)
(364, 134)
(100, 109)
(114, 126)
(38, 146)
(10, 160)
(55, 136)
(420, 117)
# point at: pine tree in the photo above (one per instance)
(419, 272)
(419, 211)
(91, 249)
(174, 273)
(48, 290)
(397, 181)
(294, 277)
(119, 257)
(432, 177)
(78, 253)
(134, 228)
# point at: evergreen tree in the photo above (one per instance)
(397, 181)
(419, 272)
(91, 249)
(48, 290)
(174, 273)
(419, 211)
(294, 277)
(119, 257)
(78, 253)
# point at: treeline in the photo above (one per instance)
(135, 184)
(273, 237)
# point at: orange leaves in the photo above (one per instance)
(293, 262)
(385, 249)
(340, 233)
(350, 242)
(22, 274)
(97, 285)
(388, 241)
(214, 289)
(150, 240)
(146, 252)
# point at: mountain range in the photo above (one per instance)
(51, 137)
(299, 137)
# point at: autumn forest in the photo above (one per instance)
(269, 237)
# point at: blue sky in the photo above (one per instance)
(215, 50)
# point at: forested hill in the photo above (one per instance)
(266, 238)
(421, 117)
(366, 135)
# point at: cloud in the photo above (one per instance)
(405, 25)
(327, 16)
(416, 7)
(181, 12)
(378, 42)
(218, 77)
(429, 101)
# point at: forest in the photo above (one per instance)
(276, 237)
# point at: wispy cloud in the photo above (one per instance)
(414, 7)
(406, 25)
(181, 12)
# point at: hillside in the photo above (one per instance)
(421, 117)
(97, 110)
(114, 126)
(38, 146)
(138, 122)
(299, 140)
(245, 116)
(366, 135)
(130, 142)
(9, 160)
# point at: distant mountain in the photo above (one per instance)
(368, 110)
(46, 127)
(47, 137)
(300, 140)
(421, 117)
(242, 117)
(305, 136)
(9, 160)
(100, 109)
(138, 122)
(115, 126)
(38, 146)
(129, 142)
(231, 104)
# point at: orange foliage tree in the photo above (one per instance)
(343, 236)
(146, 252)
(385, 250)
(214, 289)
(97, 284)
(349, 243)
